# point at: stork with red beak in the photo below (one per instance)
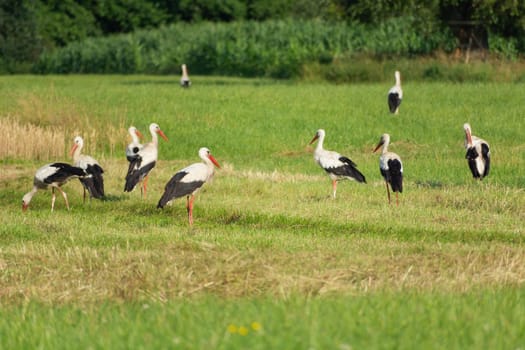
(52, 175)
(188, 181)
(141, 166)
(338, 167)
(391, 167)
(94, 181)
(478, 154)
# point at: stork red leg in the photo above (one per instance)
(145, 185)
(334, 187)
(387, 192)
(65, 197)
(53, 198)
(189, 206)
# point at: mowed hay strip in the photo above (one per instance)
(28, 141)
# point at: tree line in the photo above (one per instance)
(30, 27)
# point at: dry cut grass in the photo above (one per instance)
(89, 275)
(29, 141)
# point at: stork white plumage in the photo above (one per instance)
(395, 94)
(146, 159)
(337, 166)
(188, 181)
(478, 154)
(94, 181)
(52, 175)
(391, 168)
(135, 146)
(185, 79)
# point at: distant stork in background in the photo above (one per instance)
(135, 146)
(94, 181)
(188, 181)
(185, 79)
(478, 154)
(391, 167)
(337, 166)
(52, 175)
(395, 95)
(146, 159)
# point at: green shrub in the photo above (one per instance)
(274, 48)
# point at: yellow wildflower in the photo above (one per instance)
(243, 330)
(232, 328)
(256, 326)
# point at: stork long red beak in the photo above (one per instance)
(162, 135)
(24, 206)
(75, 146)
(315, 138)
(214, 161)
(377, 147)
(138, 133)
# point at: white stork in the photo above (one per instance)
(185, 79)
(395, 95)
(478, 154)
(337, 166)
(188, 181)
(135, 146)
(94, 181)
(146, 159)
(52, 175)
(391, 167)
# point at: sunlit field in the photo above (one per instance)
(272, 261)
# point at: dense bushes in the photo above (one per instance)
(272, 48)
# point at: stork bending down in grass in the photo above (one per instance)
(52, 175)
(391, 167)
(140, 167)
(188, 181)
(338, 167)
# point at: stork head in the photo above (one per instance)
(318, 134)
(205, 153)
(78, 143)
(25, 201)
(385, 139)
(155, 128)
(134, 131)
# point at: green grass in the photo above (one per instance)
(385, 321)
(444, 269)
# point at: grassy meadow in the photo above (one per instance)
(272, 262)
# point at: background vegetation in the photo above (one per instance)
(180, 30)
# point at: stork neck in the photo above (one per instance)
(76, 153)
(154, 138)
(385, 147)
(134, 138)
(398, 79)
(468, 139)
(320, 142)
(29, 195)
